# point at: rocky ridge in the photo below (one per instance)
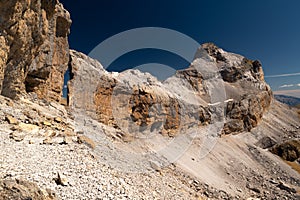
(182, 101)
(217, 117)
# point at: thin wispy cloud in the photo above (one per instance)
(283, 75)
(286, 86)
(289, 85)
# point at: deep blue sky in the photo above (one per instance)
(267, 30)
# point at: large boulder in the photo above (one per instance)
(34, 47)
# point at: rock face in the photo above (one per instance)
(136, 102)
(248, 95)
(133, 101)
(38, 31)
(34, 50)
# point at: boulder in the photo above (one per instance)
(289, 150)
(18, 189)
(266, 142)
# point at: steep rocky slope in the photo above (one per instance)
(208, 132)
(226, 150)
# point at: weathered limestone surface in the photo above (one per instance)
(34, 48)
(135, 102)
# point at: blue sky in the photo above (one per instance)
(267, 30)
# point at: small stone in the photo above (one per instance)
(11, 120)
(49, 133)
(61, 180)
(196, 182)
(282, 186)
(254, 189)
(48, 140)
(80, 132)
(51, 193)
(17, 136)
(58, 119)
(266, 192)
(125, 137)
(206, 193)
(82, 139)
(66, 140)
(273, 181)
(155, 165)
(28, 128)
(10, 104)
(58, 127)
(47, 123)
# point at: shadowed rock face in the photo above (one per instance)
(289, 150)
(135, 99)
(34, 48)
(245, 114)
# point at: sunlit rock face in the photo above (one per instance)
(217, 87)
(248, 95)
(34, 48)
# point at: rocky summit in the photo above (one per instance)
(210, 131)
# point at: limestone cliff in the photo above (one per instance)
(35, 55)
(34, 48)
(248, 95)
(217, 87)
(208, 131)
